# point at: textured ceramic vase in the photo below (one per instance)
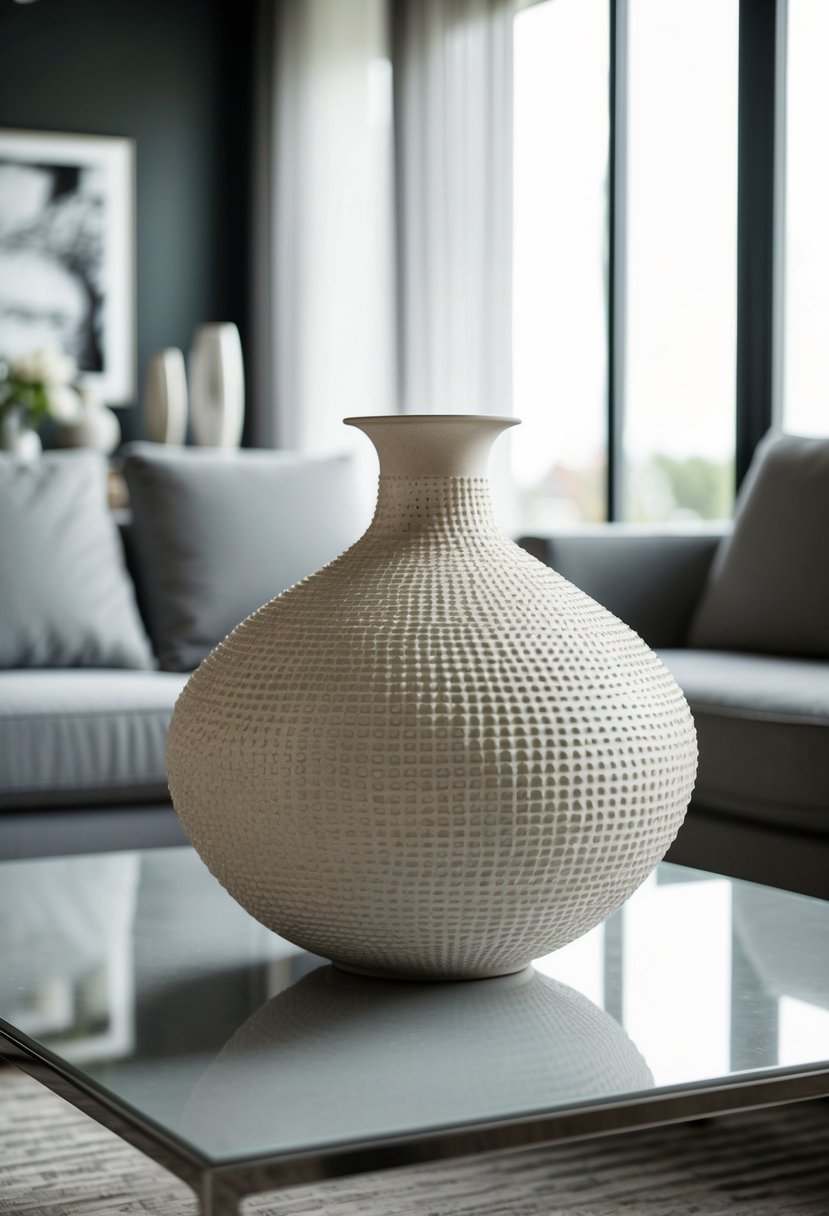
(434, 758)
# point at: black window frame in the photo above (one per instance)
(760, 153)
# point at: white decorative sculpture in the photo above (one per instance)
(96, 426)
(435, 758)
(165, 397)
(217, 386)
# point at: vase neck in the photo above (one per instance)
(423, 507)
(432, 445)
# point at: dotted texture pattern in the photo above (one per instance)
(435, 757)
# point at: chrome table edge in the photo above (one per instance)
(221, 1186)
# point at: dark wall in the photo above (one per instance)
(174, 76)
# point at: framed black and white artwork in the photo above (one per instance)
(67, 253)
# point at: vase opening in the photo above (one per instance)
(432, 445)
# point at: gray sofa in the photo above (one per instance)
(760, 808)
(212, 537)
(101, 625)
(741, 618)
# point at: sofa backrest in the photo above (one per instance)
(651, 580)
(214, 535)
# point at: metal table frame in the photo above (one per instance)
(221, 1185)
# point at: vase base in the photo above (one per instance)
(409, 977)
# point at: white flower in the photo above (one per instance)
(23, 368)
(46, 366)
(64, 403)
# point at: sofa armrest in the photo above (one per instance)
(650, 580)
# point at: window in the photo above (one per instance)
(806, 249)
(560, 208)
(679, 292)
(642, 276)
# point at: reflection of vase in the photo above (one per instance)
(435, 757)
(338, 1056)
(17, 438)
(217, 386)
(165, 397)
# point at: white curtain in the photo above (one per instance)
(453, 148)
(384, 263)
(323, 279)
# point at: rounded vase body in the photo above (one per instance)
(435, 758)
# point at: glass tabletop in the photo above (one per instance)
(141, 978)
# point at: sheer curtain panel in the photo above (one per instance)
(453, 153)
(383, 266)
(323, 275)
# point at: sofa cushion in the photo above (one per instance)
(768, 589)
(763, 727)
(650, 580)
(70, 738)
(65, 597)
(217, 534)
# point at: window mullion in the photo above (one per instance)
(756, 234)
(617, 256)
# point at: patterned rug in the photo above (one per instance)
(54, 1161)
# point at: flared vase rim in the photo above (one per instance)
(501, 420)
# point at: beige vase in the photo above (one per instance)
(435, 758)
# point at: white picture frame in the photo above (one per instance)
(67, 253)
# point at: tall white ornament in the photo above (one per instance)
(165, 397)
(435, 758)
(217, 386)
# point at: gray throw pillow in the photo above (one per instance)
(217, 534)
(66, 599)
(768, 590)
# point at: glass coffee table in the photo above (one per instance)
(132, 985)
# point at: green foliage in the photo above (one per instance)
(693, 488)
(38, 385)
(31, 399)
